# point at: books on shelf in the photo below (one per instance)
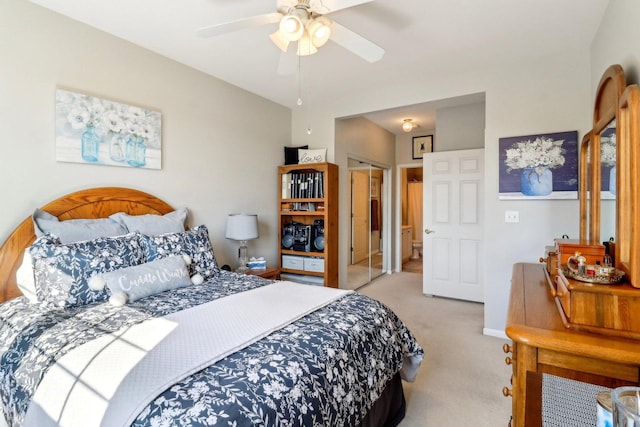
(303, 185)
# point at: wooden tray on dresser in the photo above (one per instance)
(598, 308)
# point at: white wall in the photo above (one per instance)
(209, 164)
(460, 128)
(540, 95)
(617, 41)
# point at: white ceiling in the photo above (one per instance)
(419, 37)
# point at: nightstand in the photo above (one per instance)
(267, 273)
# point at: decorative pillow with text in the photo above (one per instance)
(132, 283)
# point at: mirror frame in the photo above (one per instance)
(606, 109)
(583, 190)
(628, 183)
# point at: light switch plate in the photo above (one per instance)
(511, 216)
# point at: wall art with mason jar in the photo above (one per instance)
(95, 130)
(542, 166)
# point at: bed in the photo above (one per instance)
(223, 349)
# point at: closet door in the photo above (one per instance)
(366, 255)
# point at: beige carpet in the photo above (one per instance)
(461, 378)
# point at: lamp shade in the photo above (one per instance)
(291, 27)
(319, 31)
(242, 227)
(305, 47)
(280, 41)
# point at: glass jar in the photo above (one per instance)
(90, 145)
(136, 151)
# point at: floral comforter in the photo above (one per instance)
(324, 369)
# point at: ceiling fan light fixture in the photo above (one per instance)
(305, 47)
(319, 31)
(279, 41)
(292, 26)
(408, 125)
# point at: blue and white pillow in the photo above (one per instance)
(133, 283)
(62, 271)
(194, 243)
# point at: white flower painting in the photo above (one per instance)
(543, 166)
(103, 132)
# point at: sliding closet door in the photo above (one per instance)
(376, 192)
(366, 242)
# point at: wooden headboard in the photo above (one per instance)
(90, 203)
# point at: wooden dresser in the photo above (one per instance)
(542, 344)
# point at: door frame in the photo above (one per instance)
(385, 197)
(398, 210)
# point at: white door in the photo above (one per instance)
(452, 219)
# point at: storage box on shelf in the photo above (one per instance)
(308, 223)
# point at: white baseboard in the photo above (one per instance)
(495, 333)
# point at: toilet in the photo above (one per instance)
(416, 246)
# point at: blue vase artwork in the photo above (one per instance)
(136, 151)
(90, 145)
(534, 159)
(612, 180)
(536, 181)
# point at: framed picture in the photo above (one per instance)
(375, 187)
(542, 166)
(421, 145)
(99, 131)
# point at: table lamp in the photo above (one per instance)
(242, 227)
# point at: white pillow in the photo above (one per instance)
(25, 279)
(75, 230)
(153, 225)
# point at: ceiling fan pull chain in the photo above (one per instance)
(299, 78)
(308, 94)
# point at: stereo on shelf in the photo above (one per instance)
(297, 236)
(318, 235)
(288, 231)
(302, 238)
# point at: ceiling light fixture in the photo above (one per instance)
(300, 26)
(319, 31)
(305, 47)
(292, 26)
(408, 125)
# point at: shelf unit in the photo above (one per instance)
(304, 211)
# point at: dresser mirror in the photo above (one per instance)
(628, 194)
(597, 202)
(608, 177)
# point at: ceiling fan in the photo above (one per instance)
(305, 22)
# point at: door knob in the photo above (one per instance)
(427, 231)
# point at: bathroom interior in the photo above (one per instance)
(412, 220)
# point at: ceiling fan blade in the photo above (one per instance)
(334, 5)
(241, 24)
(355, 43)
(288, 63)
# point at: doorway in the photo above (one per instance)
(368, 257)
(411, 231)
